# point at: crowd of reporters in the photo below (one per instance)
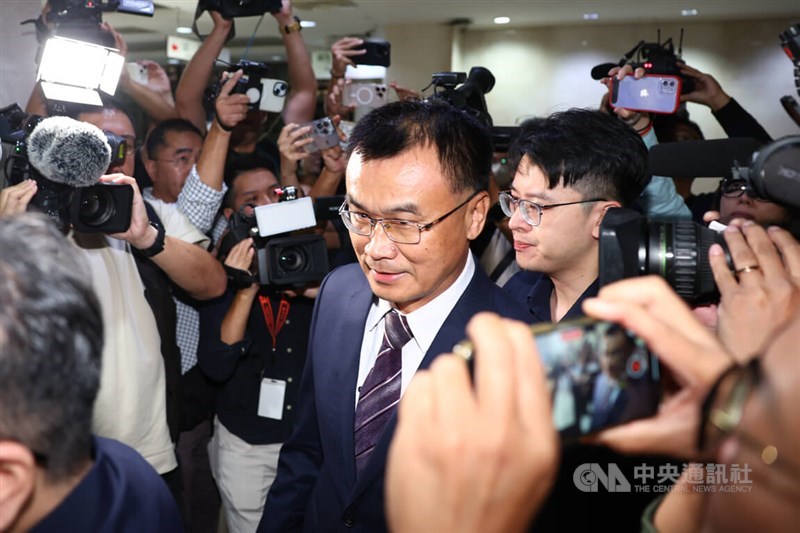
(167, 340)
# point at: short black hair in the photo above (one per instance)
(666, 127)
(464, 145)
(51, 342)
(588, 150)
(240, 164)
(158, 137)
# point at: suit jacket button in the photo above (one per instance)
(348, 520)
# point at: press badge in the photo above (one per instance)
(270, 399)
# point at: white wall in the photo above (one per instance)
(17, 50)
(541, 70)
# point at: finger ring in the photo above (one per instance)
(745, 270)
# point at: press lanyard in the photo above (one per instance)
(274, 326)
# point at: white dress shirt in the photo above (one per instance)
(424, 323)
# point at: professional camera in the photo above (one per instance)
(281, 258)
(654, 58)
(790, 42)
(468, 93)
(65, 158)
(631, 245)
(240, 8)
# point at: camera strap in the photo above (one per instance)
(201, 6)
(274, 326)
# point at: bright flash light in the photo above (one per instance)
(80, 67)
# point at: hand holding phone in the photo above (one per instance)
(653, 93)
(324, 134)
(378, 53)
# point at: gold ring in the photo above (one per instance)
(745, 270)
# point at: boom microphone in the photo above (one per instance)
(695, 159)
(601, 71)
(69, 152)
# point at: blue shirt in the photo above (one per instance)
(533, 291)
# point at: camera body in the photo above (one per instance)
(660, 58)
(283, 257)
(240, 8)
(99, 208)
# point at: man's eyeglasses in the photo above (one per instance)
(531, 211)
(399, 231)
(736, 188)
(722, 412)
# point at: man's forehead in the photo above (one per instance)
(112, 120)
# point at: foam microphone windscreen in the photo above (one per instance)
(695, 159)
(67, 151)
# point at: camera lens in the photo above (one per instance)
(292, 259)
(96, 206)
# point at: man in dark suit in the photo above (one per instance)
(416, 195)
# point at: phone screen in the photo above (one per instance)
(598, 375)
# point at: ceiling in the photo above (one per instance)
(336, 18)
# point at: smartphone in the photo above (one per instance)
(324, 134)
(365, 95)
(653, 93)
(599, 375)
(378, 53)
(273, 95)
(137, 73)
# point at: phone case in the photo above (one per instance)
(137, 73)
(324, 134)
(654, 93)
(378, 53)
(370, 95)
(273, 95)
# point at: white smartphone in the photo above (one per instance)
(273, 95)
(137, 72)
(654, 93)
(365, 95)
(324, 134)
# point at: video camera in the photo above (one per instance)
(75, 155)
(468, 93)
(282, 258)
(631, 245)
(654, 58)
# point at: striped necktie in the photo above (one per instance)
(380, 393)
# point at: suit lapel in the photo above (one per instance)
(474, 299)
(343, 343)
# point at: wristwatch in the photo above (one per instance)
(293, 27)
(158, 245)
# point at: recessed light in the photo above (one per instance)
(307, 23)
(277, 58)
(502, 20)
(183, 29)
(591, 16)
(688, 12)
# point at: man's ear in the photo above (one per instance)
(476, 214)
(227, 212)
(17, 481)
(150, 167)
(600, 213)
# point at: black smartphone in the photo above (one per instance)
(599, 375)
(377, 53)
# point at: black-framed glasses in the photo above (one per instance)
(722, 411)
(734, 188)
(399, 231)
(531, 211)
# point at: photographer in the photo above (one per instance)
(761, 436)
(252, 342)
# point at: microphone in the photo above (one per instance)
(695, 159)
(69, 152)
(601, 71)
